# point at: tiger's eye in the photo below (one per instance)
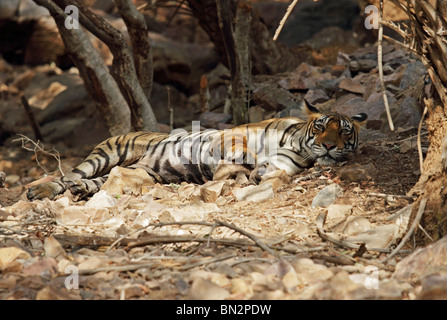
(318, 127)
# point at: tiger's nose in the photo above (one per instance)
(329, 146)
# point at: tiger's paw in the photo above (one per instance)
(78, 188)
(44, 190)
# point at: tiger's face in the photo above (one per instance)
(332, 136)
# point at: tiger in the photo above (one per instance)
(290, 144)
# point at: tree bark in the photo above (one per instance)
(99, 83)
(142, 54)
(268, 56)
(123, 67)
(237, 47)
(426, 23)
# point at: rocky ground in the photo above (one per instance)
(301, 237)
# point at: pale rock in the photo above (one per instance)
(258, 193)
(356, 225)
(241, 179)
(101, 199)
(203, 289)
(327, 196)
(124, 179)
(377, 237)
(290, 280)
(44, 268)
(211, 190)
(276, 178)
(240, 289)
(338, 211)
(53, 248)
(9, 254)
(92, 263)
(308, 272)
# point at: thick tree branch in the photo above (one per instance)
(98, 81)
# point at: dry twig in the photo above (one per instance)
(284, 19)
(410, 231)
(380, 65)
(40, 148)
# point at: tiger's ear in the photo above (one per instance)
(310, 108)
(359, 119)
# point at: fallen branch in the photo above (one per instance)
(170, 239)
(415, 223)
(321, 219)
(284, 19)
(380, 65)
(31, 118)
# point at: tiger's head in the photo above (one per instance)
(330, 137)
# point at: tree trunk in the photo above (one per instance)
(99, 83)
(268, 56)
(426, 20)
(131, 71)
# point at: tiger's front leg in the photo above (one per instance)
(79, 187)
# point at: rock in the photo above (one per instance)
(304, 77)
(377, 237)
(412, 74)
(358, 173)
(181, 63)
(308, 272)
(255, 114)
(123, 180)
(53, 248)
(203, 289)
(10, 254)
(355, 225)
(258, 193)
(351, 85)
(101, 199)
(43, 268)
(376, 107)
(276, 178)
(407, 114)
(316, 96)
(212, 119)
(327, 196)
(362, 65)
(211, 190)
(338, 211)
(44, 97)
(423, 261)
(273, 98)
